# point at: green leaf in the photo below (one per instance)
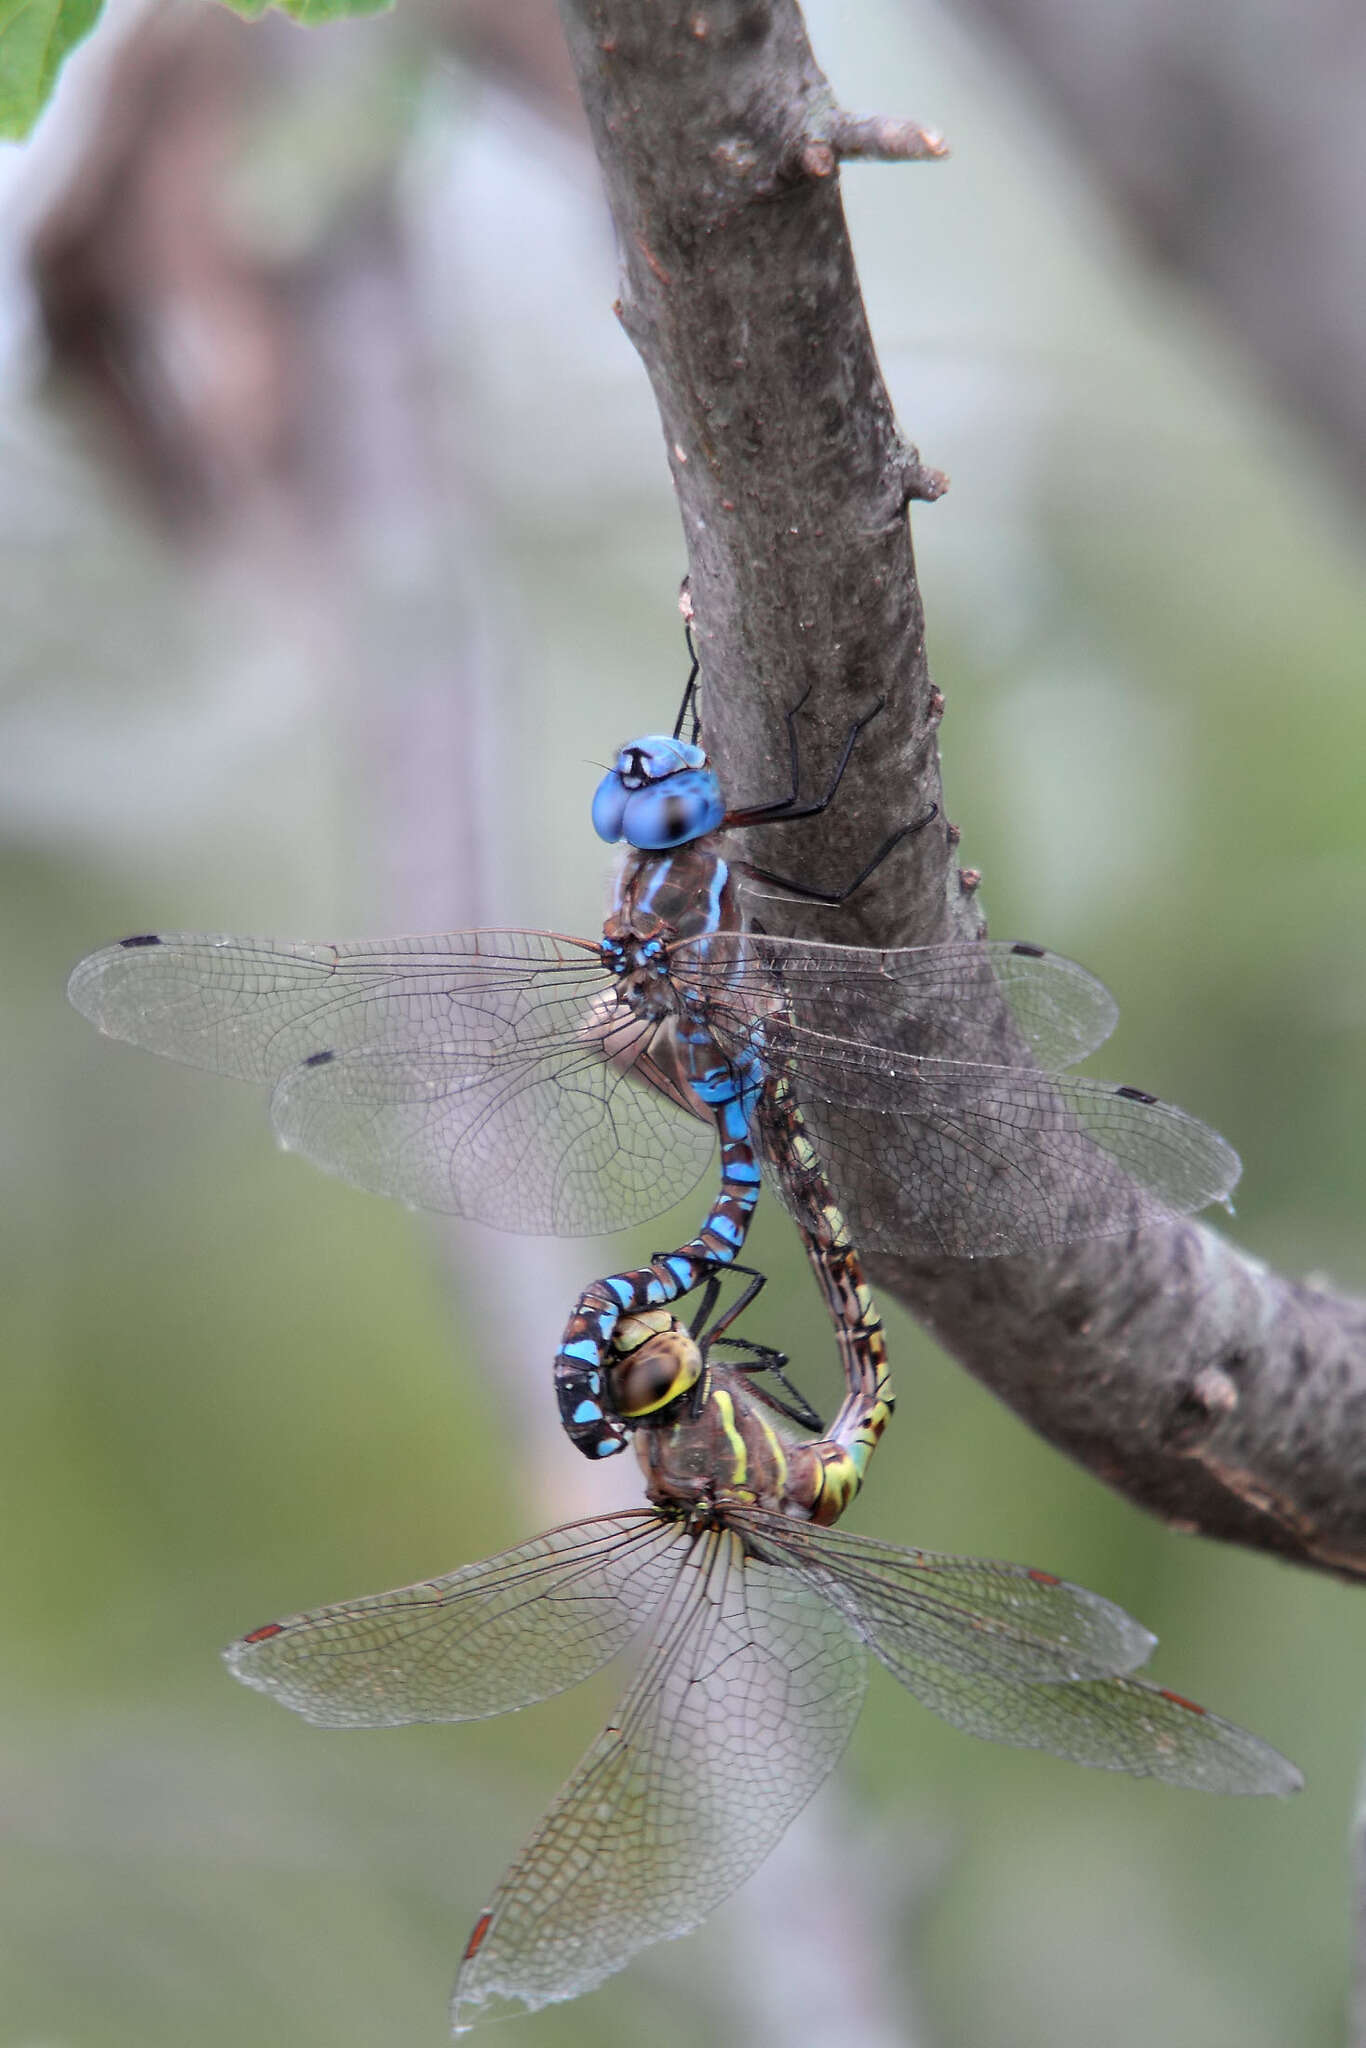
(309, 12)
(35, 38)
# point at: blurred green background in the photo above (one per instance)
(354, 675)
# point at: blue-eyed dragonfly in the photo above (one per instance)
(542, 1083)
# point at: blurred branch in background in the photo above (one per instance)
(1223, 1398)
(1232, 143)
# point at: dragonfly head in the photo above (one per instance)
(655, 1361)
(658, 794)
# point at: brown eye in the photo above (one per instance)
(656, 1374)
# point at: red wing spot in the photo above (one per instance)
(1190, 1706)
(1043, 1578)
(262, 1635)
(476, 1940)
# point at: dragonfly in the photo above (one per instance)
(755, 1619)
(543, 1083)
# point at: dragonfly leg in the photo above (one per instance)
(835, 896)
(757, 1282)
(689, 704)
(783, 810)
(763, 1358)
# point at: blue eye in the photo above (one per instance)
(609, 807)
(672, 813)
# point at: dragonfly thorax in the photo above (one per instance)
(723, 1448)
(659, 793)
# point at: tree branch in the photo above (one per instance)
(1223, 1398)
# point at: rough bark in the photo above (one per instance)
(1209, 1390)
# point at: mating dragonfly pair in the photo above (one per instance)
(545, 1083)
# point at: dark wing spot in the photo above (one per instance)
(1177, 1701)
(1044, 1579)
(476, 1940)
(1135, 1095)
(261, 1635)
(1030, 952)
(321, 1059)
(143, 939)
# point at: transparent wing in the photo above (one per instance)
(1002, 1003)
(1112, 1723)
(966, 1614)
(483, 1640)
(485, 1074)
(749, 1691)
(918, 1075)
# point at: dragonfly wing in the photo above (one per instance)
(561, 1144)
(483, 1640)
(750, 1688)
(962, 1613)
(485, 1074)
(973, 1161)
(254, 1008)
(922, 1076)
(996, 1683)
(1001, 1002)
(1111, 1724)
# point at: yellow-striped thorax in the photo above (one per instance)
(704, 1437)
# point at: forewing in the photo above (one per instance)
(996, 1682)
(990, 1001)
(254, 1008)
(485, 1074)
(749, 1691)
(963, 1614)
(923, 1078)
(483, 1640)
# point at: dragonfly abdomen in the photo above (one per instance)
(867, 1407)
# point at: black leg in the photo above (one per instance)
(835, 896)
(689, 705)
(710, 1290)
(757, 1282)
(784, 809)
(763, 1358)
